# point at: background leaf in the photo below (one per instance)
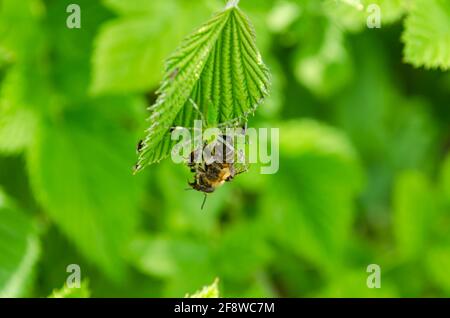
(171, 258)
(129, 60)
(66, 292)
(97, 205)
(315, 61)
(427, 34)
(16, 128)
(315, 223)
(19, 249)
(414, 210)
(211, 291)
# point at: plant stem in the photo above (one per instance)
(232, 3)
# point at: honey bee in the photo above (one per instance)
(212, 176)
(208, 176)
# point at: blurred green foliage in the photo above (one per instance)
(364, 154)
(81, 291)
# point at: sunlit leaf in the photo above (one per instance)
(211, 291)
(74, 292)
(427, 34)
(16, 130)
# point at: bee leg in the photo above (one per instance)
(204, 201)
(232, 174)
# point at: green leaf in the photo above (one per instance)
(24, 39)
(80, 173)
(123, 60)
(66, 292)
(16, 129)
(71, 49)
(211, 291)
(219, 69)
(427, 34)
(170, 258)
(242, 246)
(437, 263)
(130, 51)
(282, 16)
(165, 257)
(17, 118)
(19, 249)
(321, 168)
(414, 211)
